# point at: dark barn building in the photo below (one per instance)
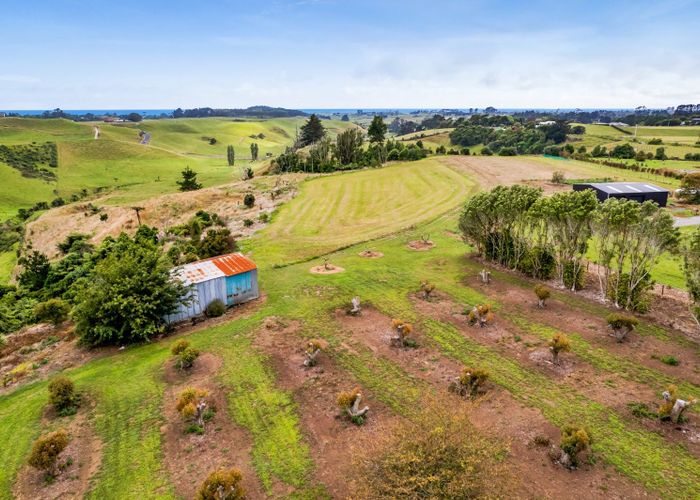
(637, 191)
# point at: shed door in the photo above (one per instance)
(236, 286)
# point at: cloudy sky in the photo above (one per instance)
(153, 54)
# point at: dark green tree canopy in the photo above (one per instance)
(230, 155)
(189, 180)
(312, 131)
(127, 295)
(377, 130)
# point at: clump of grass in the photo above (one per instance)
(641, 410)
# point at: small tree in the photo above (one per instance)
(574, 440)
(230, 155)
(481, 314)
(543, 293)
(222, 485)
(557, 344)
(313, 349)
(376, 130)
(54, 311)
(621, 324)
(189, 180)
(254, 150)
(179, 346)
(470, 382)
(216, 242)
(403, 330)
(349, 404)
(62, 395)
(46, 450)
(673, 408)
(558, 177)
(186, 359)
(427, 289)
(312, 131)
(249, 200)
(191, 404)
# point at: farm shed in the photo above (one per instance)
(231, 278)
(637, 191)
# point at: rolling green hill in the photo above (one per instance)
(133, 171)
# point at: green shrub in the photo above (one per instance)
(54, 311)
(264, 217)
(249, 200)
(558, 177)
(641, 410)
(621, 324)
(215, 309)
(186, 358)
(670, 360)
(538, 263)
(222, 485)
(247, 222)
(45, 451)
(437, 454)
(639, 300)
(179, 346)
(62, 395)
(574, 440)
(573, 275)
(543, 293)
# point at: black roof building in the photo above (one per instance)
(637, 191)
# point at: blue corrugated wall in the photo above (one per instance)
(230, 290)
(239, 288)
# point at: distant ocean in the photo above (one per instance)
(25, 112)
(321, 111)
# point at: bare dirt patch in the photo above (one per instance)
(326, 269)
(81, 459)
(39, 350)
(491, 171)
(161, 212)
(370, 254)
(315, 390)
(593, 329)
(420, 245)
(496, 412)
(189, 458)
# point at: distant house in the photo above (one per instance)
(231, 278)
(619, 124)
(636, 191)
(2, 114)
(546, 123)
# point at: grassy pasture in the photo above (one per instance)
(336, 213)
(336, 210)
(133, 171)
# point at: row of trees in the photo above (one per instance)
(512, 140)
(231, 153)
(346, 152)
(550, 236)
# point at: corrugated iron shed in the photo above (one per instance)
(216, 267)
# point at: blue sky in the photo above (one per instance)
(75, 54)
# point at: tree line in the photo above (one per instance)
(517, 138)
(549, 237)
(314, 151)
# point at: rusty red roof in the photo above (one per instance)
(233, 263)
(215, 267)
